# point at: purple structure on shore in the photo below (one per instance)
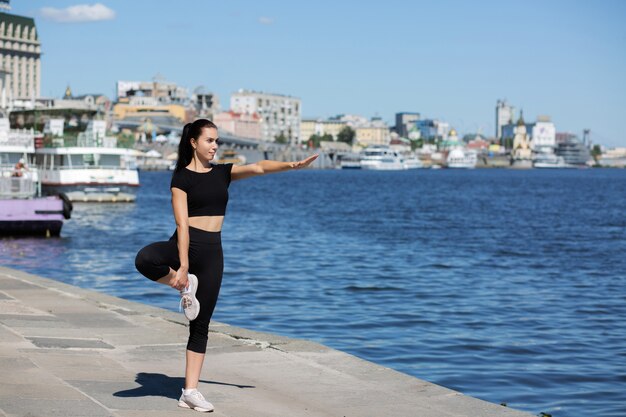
(33, 216)
(22, 210)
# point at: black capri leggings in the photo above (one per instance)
(206, 261)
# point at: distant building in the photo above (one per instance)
(565, 137)
(142, 108)
(427, 128)
(20, 60)
(280, 114)
(521, 154)
(404, 122)
(239, 124)
(613, 158)
(431, 129)
(205, 104)
(504, 116)
(367, 132)
(320, 127)
(97, 102)
(163, 92)
(374, 134)
(310, 127)
(543, 135)
(508, 130)
(451, 141)
(478, 143)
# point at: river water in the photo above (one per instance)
(505, 285)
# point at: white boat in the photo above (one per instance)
(413, 163)
(550, 160)
(462, 158)
(349, 160)
(94, 171)
(379, 157)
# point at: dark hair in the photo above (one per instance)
(190, 131)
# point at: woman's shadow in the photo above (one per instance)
(159, 385)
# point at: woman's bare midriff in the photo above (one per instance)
(207, 223)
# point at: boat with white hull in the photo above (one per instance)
(90, 174)
(378, 157)
(550, 161)
(461, 159)
(413, 163)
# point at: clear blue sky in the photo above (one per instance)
(446, 59)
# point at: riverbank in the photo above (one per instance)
(68, 351)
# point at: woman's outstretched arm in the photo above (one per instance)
(268, 167)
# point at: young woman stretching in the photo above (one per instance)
(191, 261)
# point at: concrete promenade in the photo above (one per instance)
(66, 351)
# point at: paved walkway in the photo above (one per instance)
(66, 351)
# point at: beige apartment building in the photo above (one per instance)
(320, 127)
(371, 135)
(148, 107)
(280, 114)
(20, 59)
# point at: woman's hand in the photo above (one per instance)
(304, 163)
(181, 279)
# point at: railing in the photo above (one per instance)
(17, 187)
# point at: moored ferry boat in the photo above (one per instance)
(413, 162)
(547, 160)
(574, 152)
(93, 171)
(22, 209)
(461, 158)
(349, 161)
(378, 157)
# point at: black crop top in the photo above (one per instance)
(207, 192)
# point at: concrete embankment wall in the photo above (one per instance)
(67, 351)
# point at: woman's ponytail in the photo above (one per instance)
(190, 131)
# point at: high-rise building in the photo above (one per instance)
(432, 130)
(20, 59)
(280, 114)
(404, 122)
(504, 116)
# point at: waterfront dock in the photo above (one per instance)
(67, 351)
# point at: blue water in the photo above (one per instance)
(505, 285)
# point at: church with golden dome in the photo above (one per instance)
(521, 154)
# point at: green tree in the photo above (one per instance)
(346, 135)
(315, 140)
(508, 143)
(125, 140)
(417, 144)
(280, 138)
(596, 152)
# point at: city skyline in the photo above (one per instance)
(451, 61)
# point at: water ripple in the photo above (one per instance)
(514, 279)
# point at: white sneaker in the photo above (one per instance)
(188, 301)
(196, 401)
